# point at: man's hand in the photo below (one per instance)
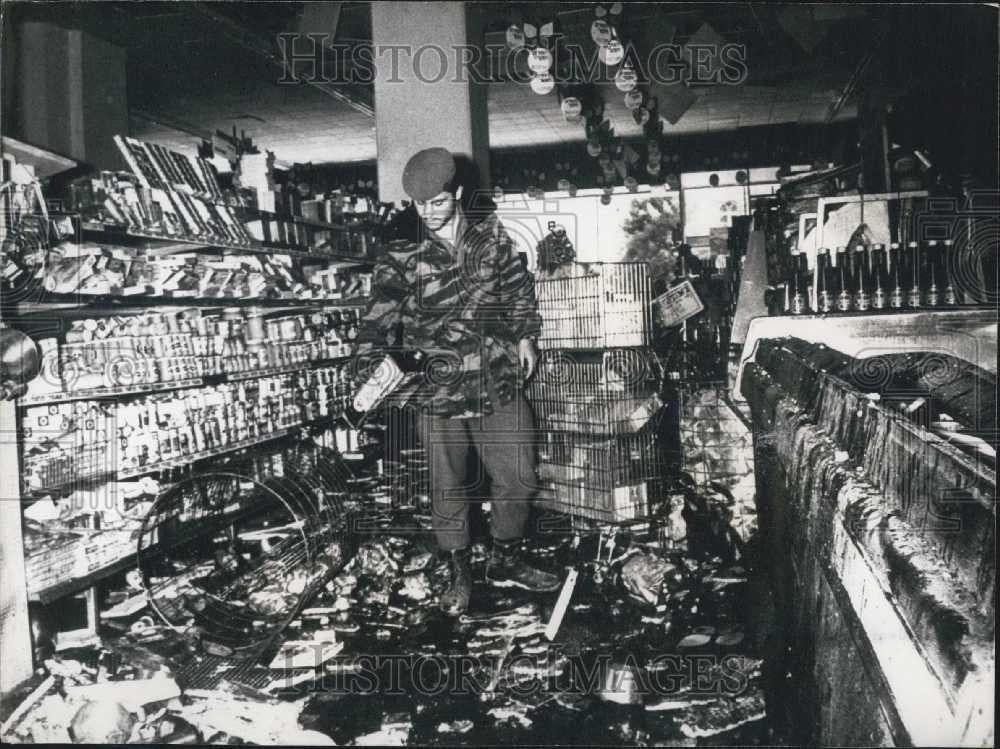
(527, 354)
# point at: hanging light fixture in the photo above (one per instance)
(601, 32)
(515, 37)
(626, 78)
(571, 107)
(539, 60)
(611, 53)
(542, 83)
(633, 99)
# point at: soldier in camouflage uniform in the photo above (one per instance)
(463, 297)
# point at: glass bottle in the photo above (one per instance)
(914, 294)
(844, 280)
(932, 272)
(950, 294)
(862, 279)
(799, 298)
(879, 277)
(896, 297)
(824, 281)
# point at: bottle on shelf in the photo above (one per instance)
(898, 271)
(844, 280)
(879, 270)
(949, 297)
(798, 303)
(914, 294)
(932, 281)
(863, 282)
(824, 281)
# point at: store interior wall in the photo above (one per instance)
(65, 90)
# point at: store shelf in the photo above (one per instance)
(159, 387)
(46, 303)
(166, 465)
(165, 245)
(75, 585)
(254, 374)
(46, 163)
(321, 225)
(102, 393)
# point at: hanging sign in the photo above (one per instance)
(677, 304)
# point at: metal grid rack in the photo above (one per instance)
(608, 392)
(216, 547)
(597, 395)
(607, 480)
(605, 305)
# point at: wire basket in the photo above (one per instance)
(606, 305)
(236, 556)
(611, 392)
(607, 480)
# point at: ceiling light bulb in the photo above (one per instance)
(539, 60)
(611, 53)
(571, 107)
(600, 32)
(515, 37)
(542, 84)
(626, 79)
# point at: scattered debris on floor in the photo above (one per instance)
(647, 643)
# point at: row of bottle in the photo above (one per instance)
(911, 276)
(120, 353)
(160, 428)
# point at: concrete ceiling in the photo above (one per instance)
(190, 75)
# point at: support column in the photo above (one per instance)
(426, 93)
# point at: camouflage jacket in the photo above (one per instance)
(465, 305)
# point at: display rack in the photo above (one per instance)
(165, 244)
(32, 304)
(597, 394)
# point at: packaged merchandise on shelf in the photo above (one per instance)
(84, 440)
(102, 270)
(171, 196)
(23, 222)
(129, 352)
(157, 167)
(64, 443)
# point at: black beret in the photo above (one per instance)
(428, 172)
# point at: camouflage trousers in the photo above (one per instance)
(504, 443)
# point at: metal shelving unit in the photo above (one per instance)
(33, 304)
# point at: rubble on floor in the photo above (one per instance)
(654, 648)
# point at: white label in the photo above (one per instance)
(677, 304)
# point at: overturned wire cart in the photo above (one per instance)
(597, 394)
(228, 560)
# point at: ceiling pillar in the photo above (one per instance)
(426, 90)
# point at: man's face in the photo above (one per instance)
(439, 210)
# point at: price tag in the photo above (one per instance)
(677, 304)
